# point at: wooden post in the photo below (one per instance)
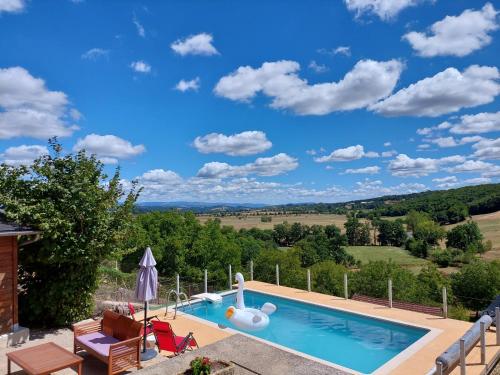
(497, 324)
(308, 280)
(390, 293)
(445, 303)
(230, 278)
(462, 356)
(205, 284)
(483, 342)
(278, 275)
(251, 270)
(346, 290)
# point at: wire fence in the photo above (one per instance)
(387, 292)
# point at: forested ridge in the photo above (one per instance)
(445, 206)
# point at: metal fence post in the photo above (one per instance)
(483, 342)
(346, 290)
(251, 270)
(230, 278)
(206, 282)
(390, 293)
(462, 356)
(445, 303)
(177, 284)
(497, 324)
(439, 368)
(308, 280)
(278, 275)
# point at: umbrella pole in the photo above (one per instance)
(145, 325)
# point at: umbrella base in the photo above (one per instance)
(148, 354)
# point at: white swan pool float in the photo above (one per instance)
(247, 318)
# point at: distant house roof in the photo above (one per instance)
(12, 229)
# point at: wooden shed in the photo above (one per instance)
(9, 234)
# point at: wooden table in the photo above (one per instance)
(44, 359)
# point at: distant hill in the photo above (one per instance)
(446, 206)
(198, 207)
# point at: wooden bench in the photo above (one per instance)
(115, 340)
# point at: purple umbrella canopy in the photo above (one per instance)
(147, 279)
(146, 286)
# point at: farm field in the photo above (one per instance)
(248, 222)
(400, 256)
(489, 224)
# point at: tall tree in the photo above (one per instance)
(82, 216)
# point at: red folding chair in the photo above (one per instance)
(149, 327)
(167, 340)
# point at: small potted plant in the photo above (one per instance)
(204, 366)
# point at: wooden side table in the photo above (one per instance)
(44, 359)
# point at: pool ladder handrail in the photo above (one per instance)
(178, 299)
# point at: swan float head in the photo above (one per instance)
(247, 318)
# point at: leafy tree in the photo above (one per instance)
(391, 233)
(358, 234)
(465, 237)
(78, 211)
(418, 248)
(291, 273)
(476, 284)
(431, 283)
(328, 277)
(429, 232)
(372, 280)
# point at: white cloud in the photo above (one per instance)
(444, 142)
(423, 146)
(160, 176)
(12, 6)
(141, 66)
(108, 148)
(404, 166)
(343, 154)
(456, 35)
(472, 166)
(388, 154)
(478, 181)
(241, 144)
(318, 68)
(387, 144)
(368, 82)
(29, 109)
(479, 123)
(384, 9)
(366, 170)
(340, 50)
(22, 155)
(487, 149)
(184, 86)
(372, 154)
(375, 188)
(311, 152)
(199, 44)
(447, 91)
(445, 179)
(95, 53)
(271, 166)
(140, 29)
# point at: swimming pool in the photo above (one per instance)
(357, 342)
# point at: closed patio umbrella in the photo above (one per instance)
(145, 290)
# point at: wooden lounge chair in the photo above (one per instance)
(167, 340)
(114, 339)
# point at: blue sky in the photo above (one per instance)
(258, 101)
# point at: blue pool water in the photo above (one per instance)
(354, 341)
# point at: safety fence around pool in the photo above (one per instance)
(392, 293)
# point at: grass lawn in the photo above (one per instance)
(400, 256)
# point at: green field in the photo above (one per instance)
(400, 256)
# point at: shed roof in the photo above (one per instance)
(13, 229)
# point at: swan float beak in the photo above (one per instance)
(229, 312)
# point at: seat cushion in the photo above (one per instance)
(97, 341)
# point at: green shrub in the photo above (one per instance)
(328, 278)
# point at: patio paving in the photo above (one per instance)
(250, 357)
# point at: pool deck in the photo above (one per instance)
(419, 359)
